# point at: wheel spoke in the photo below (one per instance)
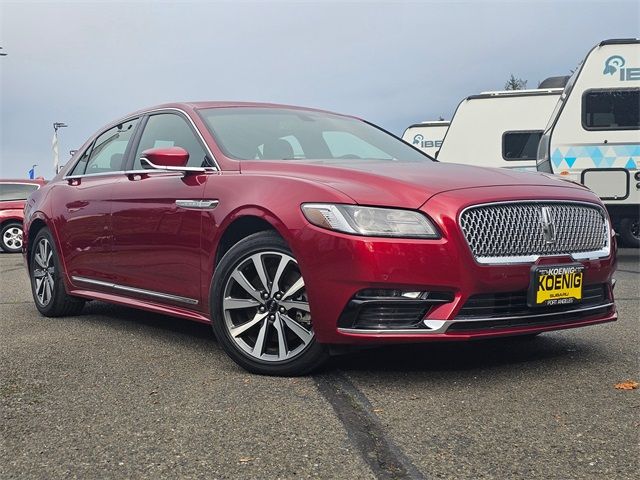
(282, 340)
(293, 289)
(39, 287)
(262, 275)
(239, 277)
(289, 304)
(304, 334)
(42, 252)
(275, 286)
(37, 273)
(40, 260)
(239, 303)
(258, 348)
(239, 330)
(47, 290)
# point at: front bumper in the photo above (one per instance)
(338, 266)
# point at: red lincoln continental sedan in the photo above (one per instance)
(291, 230)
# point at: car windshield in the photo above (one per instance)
(245, 133)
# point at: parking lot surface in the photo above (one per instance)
(120, 393)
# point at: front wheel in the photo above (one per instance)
(260, 310)
(11, 237)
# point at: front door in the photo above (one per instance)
(157, 231)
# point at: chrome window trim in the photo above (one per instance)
(140, 115)
(206, 145)
(141, 291)
(447, 323)
(129, 172)
(101, 174)
(593, 255)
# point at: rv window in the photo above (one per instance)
(522, 145)
(611, 109)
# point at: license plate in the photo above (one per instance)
(555, 285)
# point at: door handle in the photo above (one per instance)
(77, 205)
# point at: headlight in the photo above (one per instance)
(370, 221)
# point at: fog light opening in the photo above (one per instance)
(372, 293)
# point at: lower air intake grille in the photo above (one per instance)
(514, 304)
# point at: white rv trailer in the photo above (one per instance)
(427, 136)
(593, 136)
(499, 129)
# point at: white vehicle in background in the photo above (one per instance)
(500, 129)
(427, 136)
(593, 136)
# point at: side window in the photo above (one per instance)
(108, 150)
(81, 166)
(611, 109)
(522, 145)
(171, 130)
(347, 145)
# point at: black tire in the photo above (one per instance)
(11, 237)
(58, 303)
(309, 358)
(630, 232)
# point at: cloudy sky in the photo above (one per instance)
(392, 62)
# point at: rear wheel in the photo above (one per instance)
(47, 285)
(260, 310)
(11, 237)
(630, 232)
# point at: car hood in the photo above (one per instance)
(399, 184)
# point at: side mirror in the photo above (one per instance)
(166, 157)
(169, 159)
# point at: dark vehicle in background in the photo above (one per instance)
(13, 194)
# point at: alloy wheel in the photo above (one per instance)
(44, 272)
(12, 238)
(265, 307)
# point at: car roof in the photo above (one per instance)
(34, 181)
(197, 105)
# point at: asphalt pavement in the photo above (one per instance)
(120, 393)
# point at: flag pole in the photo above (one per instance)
(54, 145)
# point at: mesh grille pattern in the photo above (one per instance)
(516, 229)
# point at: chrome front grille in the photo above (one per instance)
(524, 231)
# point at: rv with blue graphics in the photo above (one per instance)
(593, 136)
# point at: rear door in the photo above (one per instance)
(157, 248)
(83, 203)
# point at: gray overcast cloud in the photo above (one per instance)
(394, 63)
